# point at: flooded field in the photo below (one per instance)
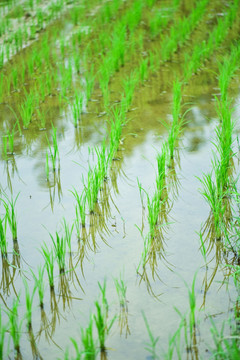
(119, 191)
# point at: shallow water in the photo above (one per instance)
(114, 243)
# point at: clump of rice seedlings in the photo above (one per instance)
(215, 200)
(49, 258)
(102, 162)
(117, 121)
(54, 152)
(118, 47)
(129, 85)
(92, 187)
(177, 122)
(29, 303)
(90, 350)
(42, 119)
(151, 346)
(26, 109)
(39, 284)
(103, 324)
(59, 247)
(77, 107)
(15, 327)
(9, 205)
(80, 207)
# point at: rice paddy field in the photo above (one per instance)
(119, 179)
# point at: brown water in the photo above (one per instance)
(115, 243)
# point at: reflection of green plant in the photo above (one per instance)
(121, 289)
(151, 347)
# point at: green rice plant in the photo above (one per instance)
(92, 188)
(157, 23)
(68, 234)
(89, 344)
(177, 122)
(226, 347)
(49, 258)
(59, 247)
(161, 174)
(129, 85)
(26, 110)
(102, 162)
(15, 327)
(80, 207)
(54, 152)
(3, 237)
(215, 200)
(39, 284)
(3, 330)
(118, 47)
(77, 107)
(151, 346)
(102, 323)
(9, 205)
(42, 119)
(29, 303)
(134, 16)
(78, 351)
(117, 121)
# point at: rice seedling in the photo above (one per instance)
(15, 326)
(9, 205)
(177, 122)
(54, 152)
(80, 207)
(39, 284)
(29, 303)
(129, 85)
(49, 258)
(59, 247)
(3, 238)
(151, 347)
(102, 324)
(77, 107)
(90, 350)
(26, 110)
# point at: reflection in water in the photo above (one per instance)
(35, 352)
(55, 186)
(6, 276)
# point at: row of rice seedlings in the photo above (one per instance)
(216, 185)
(155, 205)
(173, 136)
(27, 31)
(203, 51)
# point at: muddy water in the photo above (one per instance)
(115, 242)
